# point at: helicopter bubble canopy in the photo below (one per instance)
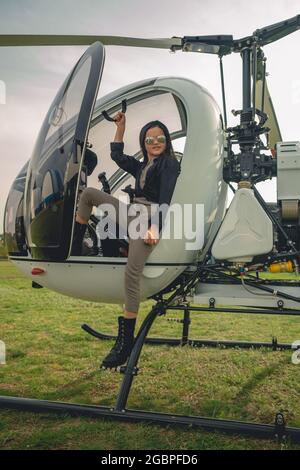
(52, 178)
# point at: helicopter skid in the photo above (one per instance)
(265, 431)
(274, 345)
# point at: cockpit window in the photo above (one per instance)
(63, 115)
(146, 107)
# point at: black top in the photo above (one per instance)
(160, 178)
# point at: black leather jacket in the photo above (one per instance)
(160, 178)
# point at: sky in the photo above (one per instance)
(31, 76)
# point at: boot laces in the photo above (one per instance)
(120, 340)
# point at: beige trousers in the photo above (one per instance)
(138, 249)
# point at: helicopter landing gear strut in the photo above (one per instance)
(119, 412)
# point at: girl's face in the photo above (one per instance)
(155, 142)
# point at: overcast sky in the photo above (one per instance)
(32, 75)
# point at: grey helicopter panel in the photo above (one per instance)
(54, 167)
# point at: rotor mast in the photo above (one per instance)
(250, 164)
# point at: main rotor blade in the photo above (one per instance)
(277, 31)
(65, 40)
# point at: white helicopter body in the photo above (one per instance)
(197, 124)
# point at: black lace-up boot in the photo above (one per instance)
(79, 231)
(123, 346)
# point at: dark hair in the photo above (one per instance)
(169, 149)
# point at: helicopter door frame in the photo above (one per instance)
(117, 177)
(60, 146)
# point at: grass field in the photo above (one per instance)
(50, 357)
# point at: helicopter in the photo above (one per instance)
(224, 272)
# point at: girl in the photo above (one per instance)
(155, 179)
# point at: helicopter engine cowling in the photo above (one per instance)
(288, 194)
(265, 234)
(246, 231)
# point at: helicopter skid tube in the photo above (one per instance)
(264, 431)
(274, 345)
(184, 340)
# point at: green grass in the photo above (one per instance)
(50, 357)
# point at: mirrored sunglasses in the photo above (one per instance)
(161, 139)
